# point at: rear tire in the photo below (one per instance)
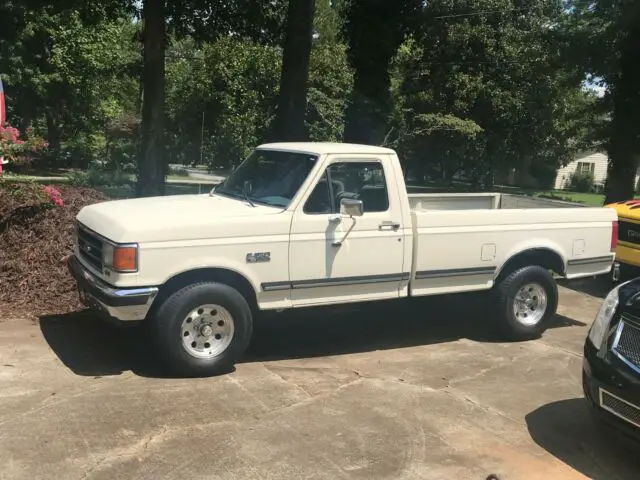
(524, 301)
(202, 329)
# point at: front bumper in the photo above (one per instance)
(609, 378)
(120, 304)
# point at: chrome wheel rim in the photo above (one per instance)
(207, 331)
(530, 304)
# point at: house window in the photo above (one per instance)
(586, 167)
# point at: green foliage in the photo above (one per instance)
(97, 177)
(582, 182)
(233, 82)
(483, 92)
(467, 88)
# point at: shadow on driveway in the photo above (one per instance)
(91, 347)
(566, 430)
(596, 287)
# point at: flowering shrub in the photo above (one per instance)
(54, 195)
(19, 150)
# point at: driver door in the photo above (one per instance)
(335, 258)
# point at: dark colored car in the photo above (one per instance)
(611, 366)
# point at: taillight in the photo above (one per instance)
(614, 235)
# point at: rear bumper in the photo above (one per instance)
(121, 304)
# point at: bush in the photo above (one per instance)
(582, 182)
(96, 177)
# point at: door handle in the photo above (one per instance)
(389, 226)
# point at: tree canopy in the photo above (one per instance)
(471, 89)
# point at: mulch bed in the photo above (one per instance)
(35, 240)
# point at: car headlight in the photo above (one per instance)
(120, 258)
(600, 325)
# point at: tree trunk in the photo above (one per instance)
(289, 123)
(53, 137)
(624, 145)
(370, 105)
(151, 158)
(375, 30)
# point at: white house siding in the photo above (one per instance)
(599, 162)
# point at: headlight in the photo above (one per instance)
(120, 258)
(603, 318)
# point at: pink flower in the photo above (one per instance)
(54, 195)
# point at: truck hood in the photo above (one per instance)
(168, 218)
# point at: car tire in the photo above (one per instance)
(525, 300)
(202, 329)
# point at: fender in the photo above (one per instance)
(530, 246)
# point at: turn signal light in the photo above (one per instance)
(125, 259)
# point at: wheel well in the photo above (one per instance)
(542, 257)
(221, 275)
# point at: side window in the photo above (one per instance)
(360, 181)
(319, 202)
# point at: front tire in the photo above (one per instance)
(202, 329)
(525, 300)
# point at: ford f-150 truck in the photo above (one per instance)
(316, 224)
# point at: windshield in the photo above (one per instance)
(268, 177)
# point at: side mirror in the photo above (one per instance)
(351, 207)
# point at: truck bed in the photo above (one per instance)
(457, 250)
(481, 201)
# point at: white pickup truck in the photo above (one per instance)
(316, 224)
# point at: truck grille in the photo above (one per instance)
(89, 247)
(626, 344)
(620, 408)
(628, 232)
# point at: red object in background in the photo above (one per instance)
(614, 236)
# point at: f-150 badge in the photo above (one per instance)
(258, 257)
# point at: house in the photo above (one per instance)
(595, 163)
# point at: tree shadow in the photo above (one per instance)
(567, 431)
(91, 347)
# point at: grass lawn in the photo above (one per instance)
(591, 199)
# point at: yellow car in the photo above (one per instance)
(628, 247)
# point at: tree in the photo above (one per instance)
(67, 75)
(152, 160)
(605, 42)
(482, 88)
(374, 30)
(289, 123)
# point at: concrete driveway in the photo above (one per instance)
(380, 392)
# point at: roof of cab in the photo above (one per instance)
(322, 148)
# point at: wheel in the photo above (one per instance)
(202, 329)
(525, 300)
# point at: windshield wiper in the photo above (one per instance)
(245, 188)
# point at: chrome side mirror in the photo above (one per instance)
(351, 208)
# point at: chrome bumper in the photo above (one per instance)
(122, 304)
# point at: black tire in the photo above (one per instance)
(166, 329)
(504, 297)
